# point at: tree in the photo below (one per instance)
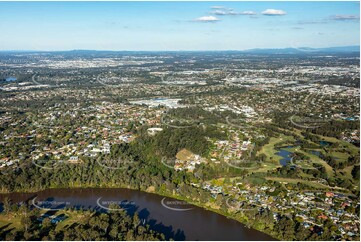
(103, 222)
(46, 223)
(25, 222)
(130, 235)
(7, 205)
(356, 172)
(25, 217)
(286, 228)
(136, 220)
(301, 232)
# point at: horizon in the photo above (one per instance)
(178, 26)
(230, 50)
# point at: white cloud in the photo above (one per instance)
(273, 12)
(218, 7)
(207, 19)
(312, 22)
(248, 13)
(219, 12)
(345, 17)
(223, 12)
(231, 12)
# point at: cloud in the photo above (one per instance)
(338, 17)
(207, 19)
(219, 12)
(273, 12)
(217, 7)
(222, 7)
(231, 12)
(248, 13)
(312, 22)
(223, 12)
(341, 17)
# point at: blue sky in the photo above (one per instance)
(177, 25)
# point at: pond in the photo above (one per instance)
(286, 155)
(10, 79)
(325, 143)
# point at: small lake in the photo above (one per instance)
(286, 155)
(325, 143)
(174, 218)
(316, 152)
(10, 79)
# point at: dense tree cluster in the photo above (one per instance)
(356, 172)
(335, 128)
(114, 225)
(352, 160)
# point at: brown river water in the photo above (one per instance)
(174, 218)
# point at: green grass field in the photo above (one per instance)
(270, 151)
(296, 180)
(265, 167)
(318, 160)
(341, 156)
(354, 150)
(11, 221)
(74, 217)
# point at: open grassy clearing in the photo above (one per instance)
(318, 160)
(307, 176)
(10, 221)
(270, 151)
(73, 217)
(265, 167)
(341, 156)
(345, 144)
(304, 164)
(347, 170)
(308, 183)
(346, 174)
(354, 150)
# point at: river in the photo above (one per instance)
(174, 218)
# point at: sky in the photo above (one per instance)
(177, 25)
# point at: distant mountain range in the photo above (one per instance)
(340, 49)
(297, 50)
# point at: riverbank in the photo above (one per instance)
(220, 212)
(209, 207)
